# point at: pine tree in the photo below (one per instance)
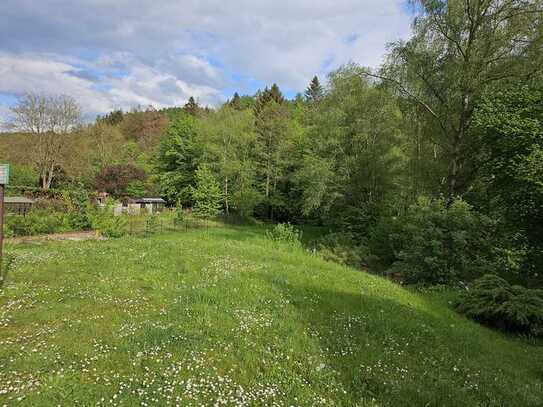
(207, 194)
(266, 96)
(314, 91)
(276, 95)
(192, 107)
(235, 103)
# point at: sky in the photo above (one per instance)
(111, 54)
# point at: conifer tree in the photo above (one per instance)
(192, 107)
(235, 103)
(314, 91)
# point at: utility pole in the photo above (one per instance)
(4, 179)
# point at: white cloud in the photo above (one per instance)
(140, 85)
(165, 46)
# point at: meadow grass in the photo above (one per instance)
(223, 316)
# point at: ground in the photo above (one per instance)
(223, 316)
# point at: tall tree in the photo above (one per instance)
(177, 160)
(229, 138)
(314, 91)
(192, 107)
(458, 50)
(351, 155)
(235, 103)
(50, 119)
(511, 120)
(274, 129)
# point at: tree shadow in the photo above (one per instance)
(364, 330)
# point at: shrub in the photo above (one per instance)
(151, 223)
(179, 215)
(105, 221)
(433, 243)
(493, 301)
(340, 248)
(38, 222)
(285, 233)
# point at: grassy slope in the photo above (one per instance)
(224, 315)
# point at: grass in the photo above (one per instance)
(222, 316)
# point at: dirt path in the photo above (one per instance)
(73, 236)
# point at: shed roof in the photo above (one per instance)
(18, 199)
(149, 200)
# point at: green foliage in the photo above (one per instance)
(314, 92)
(177, 158)
(207, 195)
(151, 223)
(285, 233)
(511, 123)
(341, 248)
(8, 262)
(23, 175)
(432, 243)
(38, 222)
(493, 301)
(136, 189)
(106, 222)
(179, 215)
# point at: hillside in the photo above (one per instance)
(225, 317)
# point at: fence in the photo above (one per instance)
(167, 221)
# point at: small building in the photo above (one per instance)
(18, 205)
(136, 206)
(152, 205)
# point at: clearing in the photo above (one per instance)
(225, 317)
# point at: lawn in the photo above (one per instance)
(222, 316)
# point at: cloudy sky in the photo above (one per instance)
(122, 53)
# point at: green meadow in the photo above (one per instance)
(225, 317)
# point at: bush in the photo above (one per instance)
(493, 301)
(151, 223)
(38, 222)
(433, 243)
(179, 215)
(285, 233)
(340, 248)
(105, 221)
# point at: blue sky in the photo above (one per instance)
(125, 53)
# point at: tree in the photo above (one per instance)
(206, 194)
(229, 137)
(177, 160)
(274, 129)
(115, 179)
(350, 158)
(192, 107)
(314, 91)
(266, 96)
(235, 103)
(511, 121)
(49, 119)
(459, 49)
(144, 127)
(112, 118)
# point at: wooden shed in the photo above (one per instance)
(18, 205)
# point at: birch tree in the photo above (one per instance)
(50, 119)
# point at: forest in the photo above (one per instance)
(428, 170)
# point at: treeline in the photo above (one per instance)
(429, 169)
